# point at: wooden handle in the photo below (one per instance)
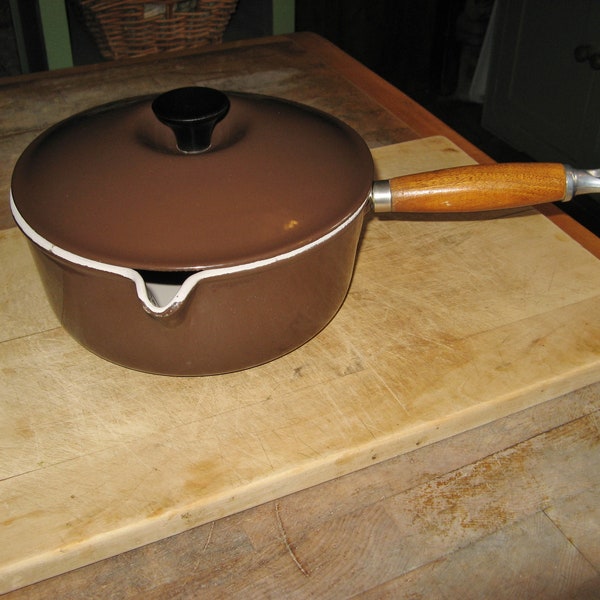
(479, 187)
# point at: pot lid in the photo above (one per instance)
(191, 179)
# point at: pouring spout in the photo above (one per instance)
(163, 291)
(160, 301)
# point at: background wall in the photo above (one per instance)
(421, 46)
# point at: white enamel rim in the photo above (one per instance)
(143, 293)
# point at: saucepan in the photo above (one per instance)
(198, 232)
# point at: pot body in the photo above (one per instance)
(227, 323)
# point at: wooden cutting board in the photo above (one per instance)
(449, 323)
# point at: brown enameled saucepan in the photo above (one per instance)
(198, 232)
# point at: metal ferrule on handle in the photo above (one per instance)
(381, 196)
(579, 181)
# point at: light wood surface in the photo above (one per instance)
(507, 510)
(448, 325)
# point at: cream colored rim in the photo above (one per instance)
(150, 294)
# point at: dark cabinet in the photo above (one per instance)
(543, 93)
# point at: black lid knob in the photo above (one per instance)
(192, 113)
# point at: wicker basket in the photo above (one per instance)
(126, 28)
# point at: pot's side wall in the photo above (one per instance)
(227, 323)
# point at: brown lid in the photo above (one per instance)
(113, 185)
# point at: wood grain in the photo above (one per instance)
(246, 551)
(449, 324)
(480, 187)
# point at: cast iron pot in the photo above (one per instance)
(198, 232)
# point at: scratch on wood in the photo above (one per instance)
(287, 542)
(210, 532)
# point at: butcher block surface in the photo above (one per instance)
(450, 323)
